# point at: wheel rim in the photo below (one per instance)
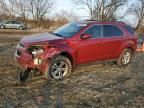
(126, 58)
(21, 28)
(2, 27)
(59, 69)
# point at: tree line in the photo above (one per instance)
(101, 10)
(114, 10)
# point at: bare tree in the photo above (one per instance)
(102, 9)
(3, 9)
(87, 5)
(6, 9)
(67, 15)
(22, 8)
(64, 16)
(11, 7)
(39, 8)
(138, 11)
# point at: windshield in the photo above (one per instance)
(69, 30)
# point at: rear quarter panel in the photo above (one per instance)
(129, 42)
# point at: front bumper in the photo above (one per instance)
(27, 61)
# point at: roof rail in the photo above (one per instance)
(107, 21)
(118, 22)
(91, 20)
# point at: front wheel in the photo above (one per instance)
(125, 57)
(59, 68)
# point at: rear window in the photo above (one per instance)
(110, 31)
(16, 22)
(130, 30)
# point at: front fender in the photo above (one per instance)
(54, 51)
(50, 53)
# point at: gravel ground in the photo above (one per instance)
(95, 86)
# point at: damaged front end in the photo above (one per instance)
(36, 52)
(34, 58)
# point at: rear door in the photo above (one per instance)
(90, 49)
(113, 38)
(8, 24)
(16, 24)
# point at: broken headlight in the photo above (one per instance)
(35, 50)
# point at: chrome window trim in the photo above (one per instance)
(102, 31)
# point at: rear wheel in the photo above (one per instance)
(2, 26)
(60, 68)
(125, 57)
(21, 28)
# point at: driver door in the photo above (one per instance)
(90, 49)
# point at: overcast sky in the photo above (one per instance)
(64, 4)
(69, 5)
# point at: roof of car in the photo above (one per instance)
(13, 20)
(100, 22)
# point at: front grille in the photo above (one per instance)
(18, 53)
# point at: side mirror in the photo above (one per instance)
(86, 36)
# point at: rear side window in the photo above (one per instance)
(16, 22)
(13, 22)
(110, 31)
(130, 30)
(95, 31)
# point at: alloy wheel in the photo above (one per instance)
(59, 69)
(126, 58)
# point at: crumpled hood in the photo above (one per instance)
(37, 38)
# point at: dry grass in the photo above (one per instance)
(22, 32)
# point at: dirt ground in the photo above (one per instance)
(96, 86)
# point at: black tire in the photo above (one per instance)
(48, 73)
(122, 61)
(2, 27)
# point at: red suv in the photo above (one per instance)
(57, 53)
